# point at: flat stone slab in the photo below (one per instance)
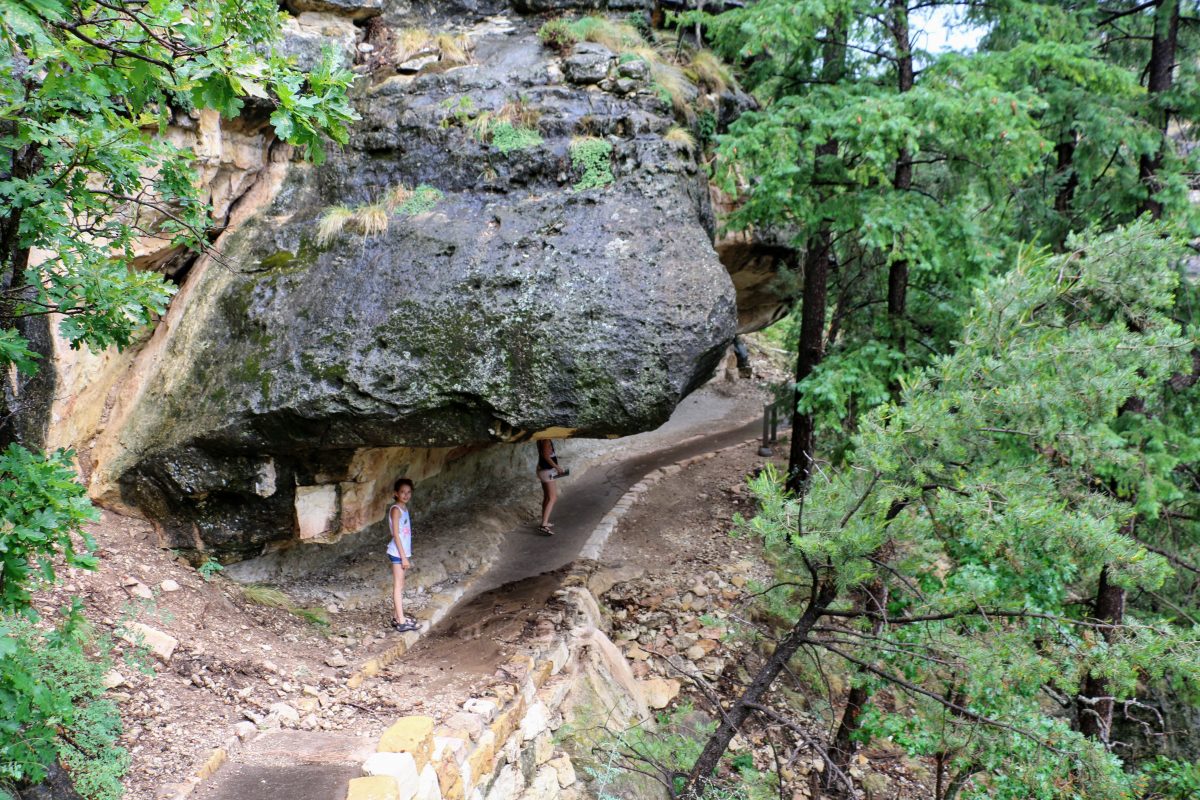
(300, 782)
(305, 747)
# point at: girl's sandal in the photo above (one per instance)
(546, 530)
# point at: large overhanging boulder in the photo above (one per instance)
(515, 303)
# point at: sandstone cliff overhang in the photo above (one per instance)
(514, 302)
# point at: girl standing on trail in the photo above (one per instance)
(399, 551)
(547, 470)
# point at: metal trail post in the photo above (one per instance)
(765, 450)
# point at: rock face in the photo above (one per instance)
(510, 303)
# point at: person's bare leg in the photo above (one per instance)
(549, 496)
(398, 592)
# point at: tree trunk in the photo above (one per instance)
(902, 180)
(1094, 705)
(14, 261)
(1160, 72)
(872, 598)
(810, 350)
(1064, 152)
(714, 748)
(816, 277)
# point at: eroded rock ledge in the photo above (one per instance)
(513, 302)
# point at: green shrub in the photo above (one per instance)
(507, 137)
(42, 511)
(423, 198)
(617, 761)
(209, 569)
(1167, 779)
(706, 127)
(52, 707)
(592, 156)
(556, 34)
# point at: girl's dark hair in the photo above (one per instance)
(402, 482)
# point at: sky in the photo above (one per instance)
(940, 31)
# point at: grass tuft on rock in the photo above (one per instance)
(557, 35)
(453, 48)
(672, 86)
(269, 596)
(332, 223)
(372, 219)
(681, 138)
(616, 36)
(710, 72)
(521, 112)
(512, 127)
(450, 48)
(396, 197)
(424, 198)
(408, 43)
(507, 137)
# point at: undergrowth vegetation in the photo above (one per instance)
(51, 704)
(591, 156)
(513, 126)
(673, 69)
(372, 219)
(627, 761)
(410, 43)
(271, 597)
(681, 138)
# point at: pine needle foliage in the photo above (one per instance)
(975, 495)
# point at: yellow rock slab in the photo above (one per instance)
(412, 735)
(376, 787)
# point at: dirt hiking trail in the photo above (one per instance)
(466, 652)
